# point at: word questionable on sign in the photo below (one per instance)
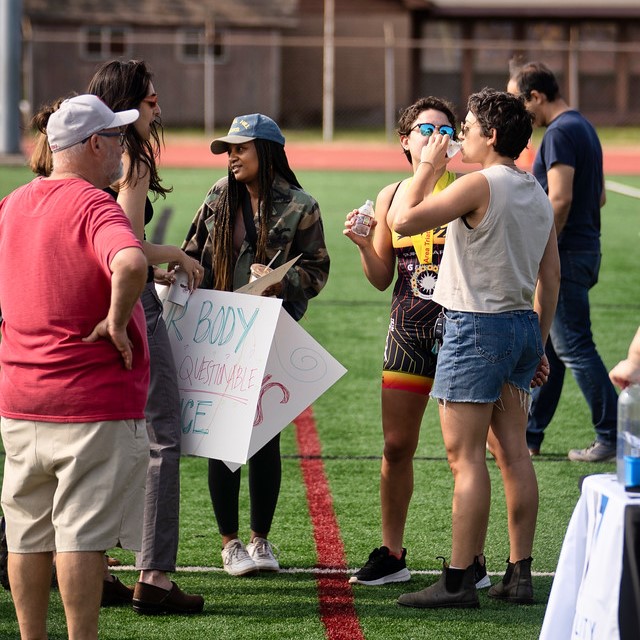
(245, 370)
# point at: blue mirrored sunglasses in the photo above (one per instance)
(426, 129)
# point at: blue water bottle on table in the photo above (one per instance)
(628, 451)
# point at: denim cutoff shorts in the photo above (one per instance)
(483, 351)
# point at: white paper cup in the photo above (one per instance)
(179, 290)
(453, 148)
(258, 270)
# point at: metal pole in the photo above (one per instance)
(328, 64)
(209, 75)
(389, 80)
(10, 48)
(574, 68)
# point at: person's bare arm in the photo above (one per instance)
(548, 286)
(560, 190)
(468, 196)
(627, 372)
(132, 197)
(376, 249)
(419, 209)
(546, 300)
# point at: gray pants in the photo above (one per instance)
(162, 496)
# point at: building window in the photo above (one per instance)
(103, 43)
(599, 39)
(444, 54)
(547, 42)
(490, 58)
(633, 36)
(192, 46)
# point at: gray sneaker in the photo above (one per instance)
(261, 552)
(236, 561)
(595, 452)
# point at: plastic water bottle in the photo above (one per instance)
(362, 223)
(628, 449)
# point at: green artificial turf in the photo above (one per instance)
(349, 319)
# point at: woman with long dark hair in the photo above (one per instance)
(130, 83)
(256, 213)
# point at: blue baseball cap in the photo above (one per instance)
(247, 128)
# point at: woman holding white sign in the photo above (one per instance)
(125, 85)
(258, 213)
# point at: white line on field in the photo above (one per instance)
(321, 571)
(623, 189)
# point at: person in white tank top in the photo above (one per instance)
(498, 281)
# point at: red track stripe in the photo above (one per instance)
(337, 609)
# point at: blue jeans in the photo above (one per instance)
(571, 345)
(482, 352)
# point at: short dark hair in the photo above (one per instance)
(535, 76)
(506, 114)
(410, 113)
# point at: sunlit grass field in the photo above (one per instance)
(349, 319)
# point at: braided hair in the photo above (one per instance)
(272, 162)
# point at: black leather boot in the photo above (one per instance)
(437, 595)
(516, 585)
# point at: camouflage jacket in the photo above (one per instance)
(295, 227)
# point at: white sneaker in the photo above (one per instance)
(235, 559)
(261, 553)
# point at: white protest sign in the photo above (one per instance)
(245, 370)
(220, 343)
(298, 371)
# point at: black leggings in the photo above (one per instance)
(265, 472)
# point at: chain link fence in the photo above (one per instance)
(204, 80)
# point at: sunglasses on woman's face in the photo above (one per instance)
(426, 129)
(152, 101)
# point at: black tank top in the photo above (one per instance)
(148, 216)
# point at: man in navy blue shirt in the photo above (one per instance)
(568, 165)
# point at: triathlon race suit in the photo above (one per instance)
(410, 349)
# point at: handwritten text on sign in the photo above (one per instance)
(245, 370)
(220, 344)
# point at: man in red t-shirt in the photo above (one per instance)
(74, 371)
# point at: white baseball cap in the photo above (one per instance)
(80, 117)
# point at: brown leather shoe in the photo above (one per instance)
(516, 585)
(115, 594)
(437, 595)
(113, 562)
(150, 600)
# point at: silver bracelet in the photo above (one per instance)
(429, 163)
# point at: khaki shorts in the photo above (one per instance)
(74, 486)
